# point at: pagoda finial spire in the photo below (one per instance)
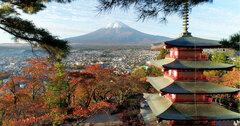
(185, 19)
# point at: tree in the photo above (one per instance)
(12, 87)
(162, 54)
(222, 57)
(215, 56)
(48, 95)
(150, 8)
(23, 99)
(140, 73)
(237, 62)
(219, 58)
(231, 79)
(25, 30)
(153, 71)
(97, 84)
(36, 76)
(232, 42)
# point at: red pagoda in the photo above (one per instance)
(184, 96)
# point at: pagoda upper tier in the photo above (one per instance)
(168, 85)
(163, 108)
(172, 63)
(188, 41)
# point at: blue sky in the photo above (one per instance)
(213, 21)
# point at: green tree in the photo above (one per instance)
(162, 54)
(140, 73)
(153, 71)
(232, 42)
(216, 74)
(57, 88)
(219, 58)
(150, 8)
(215, 56)
(237, 62)
(25, 30)
(222, 57)
(231, 52)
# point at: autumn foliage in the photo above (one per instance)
(46, 94)
(230, 79)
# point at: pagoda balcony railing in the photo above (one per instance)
(175, 98)
(191, 78)
(187, 57)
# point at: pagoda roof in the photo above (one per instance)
(172, 63)
(150, 118)
(147, 115)
(189, 41)
(165, 109)
(168, 85)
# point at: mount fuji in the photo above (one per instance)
(116, 33)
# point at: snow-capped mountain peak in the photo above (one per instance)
(116, 33)
(116, 24)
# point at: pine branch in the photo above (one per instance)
(27, 31)
(31, 6)
(145, 9)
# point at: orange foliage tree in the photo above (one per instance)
(19, 101)
(230, 79)
(48, 94)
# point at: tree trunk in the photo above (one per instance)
(68, 99)
(33, 94)
(15, 99)
(2, 117)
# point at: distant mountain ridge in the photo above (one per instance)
(116, 33)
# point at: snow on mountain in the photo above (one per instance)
(116, 24)
(116, 33)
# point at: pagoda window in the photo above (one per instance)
(170, 72)
(176, 53)
(171, 53)
(173, 96)
(175, 73)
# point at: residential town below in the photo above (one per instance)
(122, 60)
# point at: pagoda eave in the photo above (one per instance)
(195, 42)
(192, 46)
(214, 93)
(164, 109)
(171, 63)
(179, 68)
(188, 42)
(168, 85)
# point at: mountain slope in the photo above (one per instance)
(116, 33)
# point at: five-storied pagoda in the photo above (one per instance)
(184, 96)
